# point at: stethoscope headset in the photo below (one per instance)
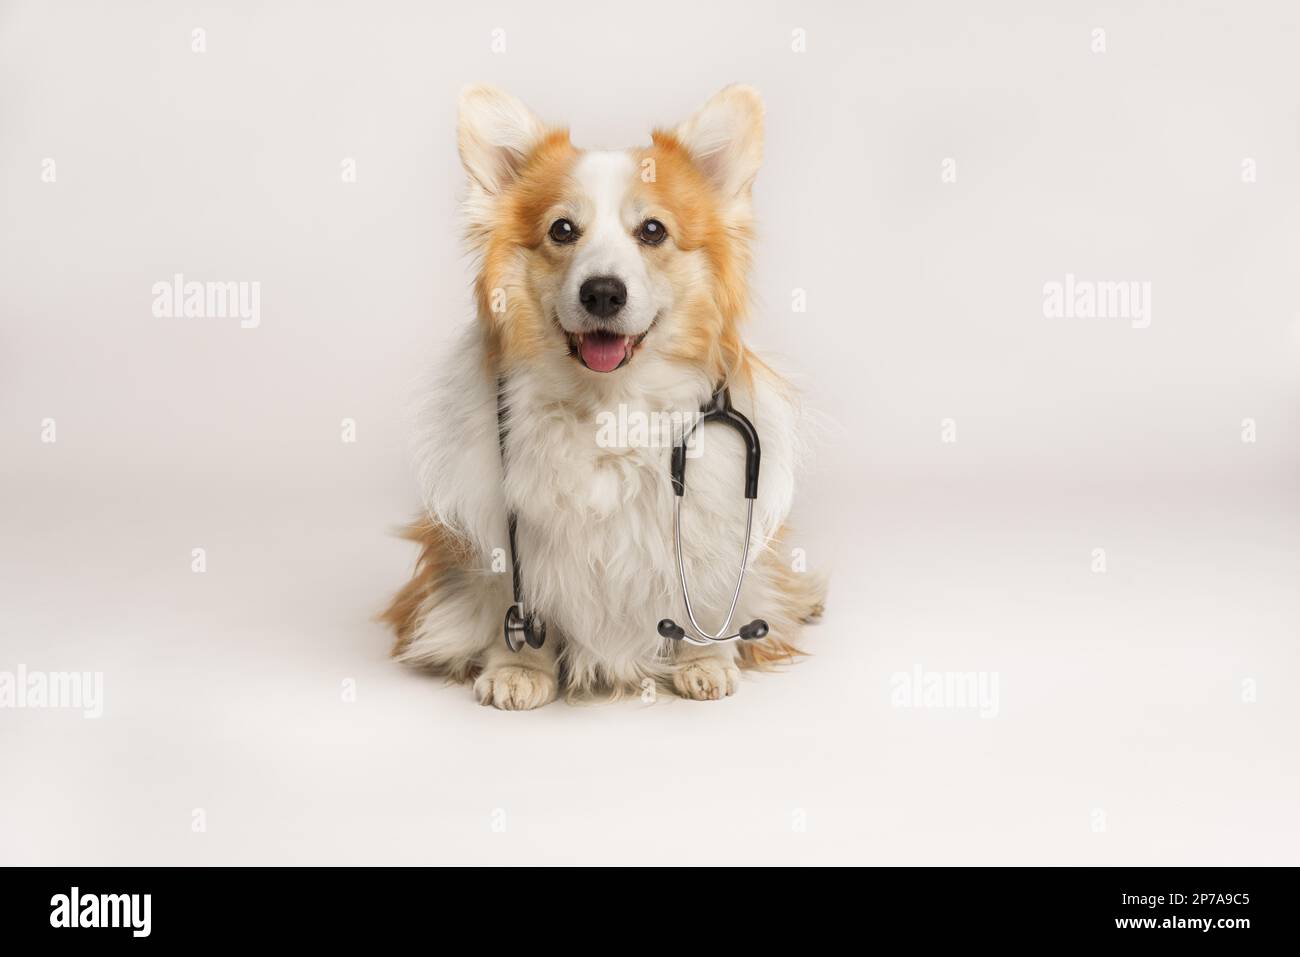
(522, 628)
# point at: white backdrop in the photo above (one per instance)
(1099, 514)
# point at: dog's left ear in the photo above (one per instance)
(725, 138)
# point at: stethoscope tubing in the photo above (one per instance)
(523, 628)
(703, 637)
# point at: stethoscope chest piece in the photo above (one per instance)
(523, 630)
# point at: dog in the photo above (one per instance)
(611, 286)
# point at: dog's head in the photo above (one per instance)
(600, 257)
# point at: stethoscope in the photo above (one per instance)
(523, 628)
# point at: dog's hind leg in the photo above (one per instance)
(449, 617)
(788, 596)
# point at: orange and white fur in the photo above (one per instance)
(609, 282)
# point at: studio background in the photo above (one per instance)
(971, 455)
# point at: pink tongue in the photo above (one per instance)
(603, 351)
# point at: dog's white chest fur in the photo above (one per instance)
(587, 476)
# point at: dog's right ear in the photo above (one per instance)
(495, 136)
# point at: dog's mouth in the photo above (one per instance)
(604, 351)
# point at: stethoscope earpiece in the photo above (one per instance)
(670, 629)
(752, 632)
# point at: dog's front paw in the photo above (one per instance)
(706, 679)
(515, 687)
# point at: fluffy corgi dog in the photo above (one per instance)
(610, 293)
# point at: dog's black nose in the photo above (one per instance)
(602, 296)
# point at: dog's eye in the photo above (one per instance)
(563, 231)
(651, 232)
